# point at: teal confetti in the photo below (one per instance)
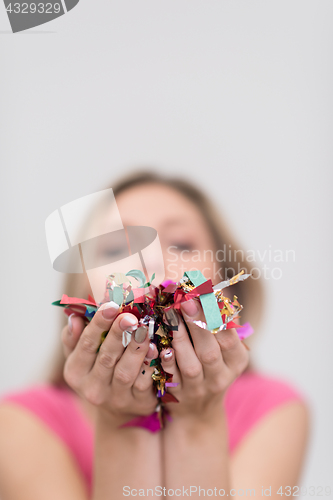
(138, 275)
(208, 301)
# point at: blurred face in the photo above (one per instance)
(182, 230)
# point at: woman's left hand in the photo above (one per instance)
(204, 371)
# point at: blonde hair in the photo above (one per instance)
(249, 292)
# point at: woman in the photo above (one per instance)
(234, 432)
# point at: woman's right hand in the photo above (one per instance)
(113, 378)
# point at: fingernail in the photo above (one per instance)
(127, 322)
(172, 317)
(140, 334)
(190, 307)
(70, 323)
(151, 354)
(167, 354)
(109, 309)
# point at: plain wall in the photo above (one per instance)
(236, 95)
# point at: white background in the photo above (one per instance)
(236, 95)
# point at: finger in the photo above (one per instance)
(205, 344)
(71, 333)
(112, 349)
(189, 365)
(128, 367)
(143, 386)
(169, 365)
(151, 354)
(83, 356)
(234, 353)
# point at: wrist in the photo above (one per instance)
(194, 437)
(110, 426)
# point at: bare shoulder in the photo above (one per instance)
(274, 450)
(34, 463)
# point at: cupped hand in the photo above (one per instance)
(205, 369)
(109, 376)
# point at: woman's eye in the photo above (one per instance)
(184, 246)
(114, 252)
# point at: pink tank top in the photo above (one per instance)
(248, 399)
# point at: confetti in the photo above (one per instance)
(157, 309)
